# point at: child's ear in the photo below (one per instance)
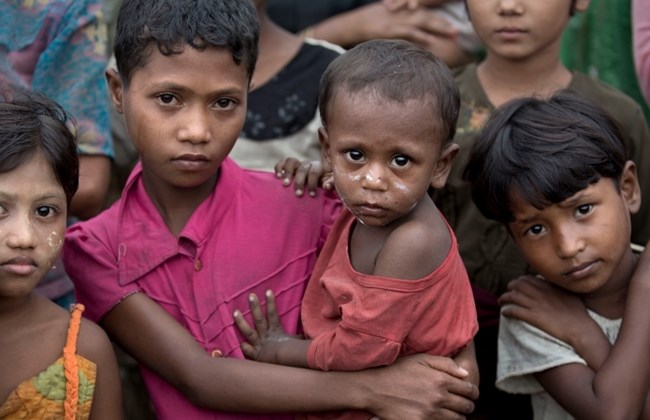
(115, 88)
(630, 189)
(326, 159)
(443, 166)
(580, 6)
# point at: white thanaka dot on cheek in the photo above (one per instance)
(54, 241)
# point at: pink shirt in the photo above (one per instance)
(358, 320)
(250, 235)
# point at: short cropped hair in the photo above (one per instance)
(31, 123)
(397, 70)
(173, 24)
(544, 151)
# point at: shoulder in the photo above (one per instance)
(93, 343)
(420, 245)
(619, 104)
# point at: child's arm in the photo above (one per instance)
(94, 345)
(615, 384)
(416, 387)
(394, 5)
(466, 359)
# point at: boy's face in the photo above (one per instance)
(519, 29)
(583, 243)
(384, 154)
(183, 113)
(32, 224)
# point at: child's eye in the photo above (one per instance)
(401, 160)
(166, 98)
(584, 209)
(535, 230)
(225, 103)
(45, 211)
(354, 155)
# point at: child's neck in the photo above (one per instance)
(277, 47)
(176, 205)
(504, 80)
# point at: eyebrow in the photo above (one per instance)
(42, 197)
(170, 85)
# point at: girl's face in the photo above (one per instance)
(583, 243)
(33, 212)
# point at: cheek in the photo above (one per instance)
(54, 242)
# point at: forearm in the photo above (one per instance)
(345, 29)
(94, 178)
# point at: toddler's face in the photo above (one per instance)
(33, 211)
(384, 154)
(581, 244)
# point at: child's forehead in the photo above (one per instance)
(185, 59)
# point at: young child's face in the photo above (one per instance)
(579, 243)
(519, 29)
(384, 154)
(183, 113)
(33, 211)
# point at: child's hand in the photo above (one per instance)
(545, 306)
(265, 341)
(309, 174)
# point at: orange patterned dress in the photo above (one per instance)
(62, 391)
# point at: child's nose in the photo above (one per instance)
(196, 128)
(21, 233)
(569, 243)
(510, 7)
(374, 178)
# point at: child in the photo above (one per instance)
(54, 364)
(555, 173)
(193, 234)
(522, 40)
(389, 281)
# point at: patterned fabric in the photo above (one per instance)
(64, 390)
(58, 47)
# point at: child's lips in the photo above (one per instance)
(582, 270)
(20, 266)
(510, 33)
(191, 162)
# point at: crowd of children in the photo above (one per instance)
(476, 226)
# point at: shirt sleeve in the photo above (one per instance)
(71, 71)
(91, 264)
(524, 350)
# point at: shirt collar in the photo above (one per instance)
(142, 231)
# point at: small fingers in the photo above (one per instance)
(261, 325)
(285, 170)
(249, 333)
(271, 311)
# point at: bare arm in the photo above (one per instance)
(95, 346)
(376, 21)
(94, 177)
(615, 382)
(415, 387)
